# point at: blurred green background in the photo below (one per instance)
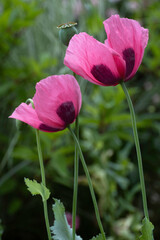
(30, 51)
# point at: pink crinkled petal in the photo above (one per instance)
(73, 92)
(140, 43)
(93, 60)
(26, 114)
(51, 93)
(120, 63)
(129, 39)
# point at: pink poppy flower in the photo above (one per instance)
(109, 63)
(57, 103)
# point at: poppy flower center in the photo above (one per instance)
(129, 57)
(66, 112)
(104, 75)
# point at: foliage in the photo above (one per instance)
(110, 173)
(37, 189)
(61, 229)
(147, 230)
(30, 51)
(99, 237)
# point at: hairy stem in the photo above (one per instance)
(43, 182)
(75, 193)
(89, 183)
(136, 139)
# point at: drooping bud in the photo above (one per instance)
(30, 101)
(66, 32)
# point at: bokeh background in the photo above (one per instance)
(30, 50)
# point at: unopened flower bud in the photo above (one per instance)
(30, 101)
(66, 32)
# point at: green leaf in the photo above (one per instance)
(37, 188)
(61, 228)
(98, 237)
(147, 230)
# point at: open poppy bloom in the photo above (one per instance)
(109, 63)
(57, 103)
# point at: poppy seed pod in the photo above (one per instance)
(66, 32)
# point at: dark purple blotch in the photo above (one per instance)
(44, 127)
(129, 57)
(66, 112)
(104, 75)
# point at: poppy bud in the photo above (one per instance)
(66, 32)
(30, 101)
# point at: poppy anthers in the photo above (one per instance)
(109, 63)
(57, 103)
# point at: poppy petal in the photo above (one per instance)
(26, 114)
(93, 60)
(53, 92)
(129, 39)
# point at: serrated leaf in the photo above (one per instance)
(61, 229)
(98, 237)
(36, 188)
(147, 230)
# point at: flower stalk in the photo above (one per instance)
(75, 192)
(139, 157)
(43, 182)
(89, 183)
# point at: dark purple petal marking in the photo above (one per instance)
(46, 128)
(129, 57)
(66, 112)
(104, 75)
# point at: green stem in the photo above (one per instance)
(43, 182)
(75, 193)
(89, 183)
(136, 139)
